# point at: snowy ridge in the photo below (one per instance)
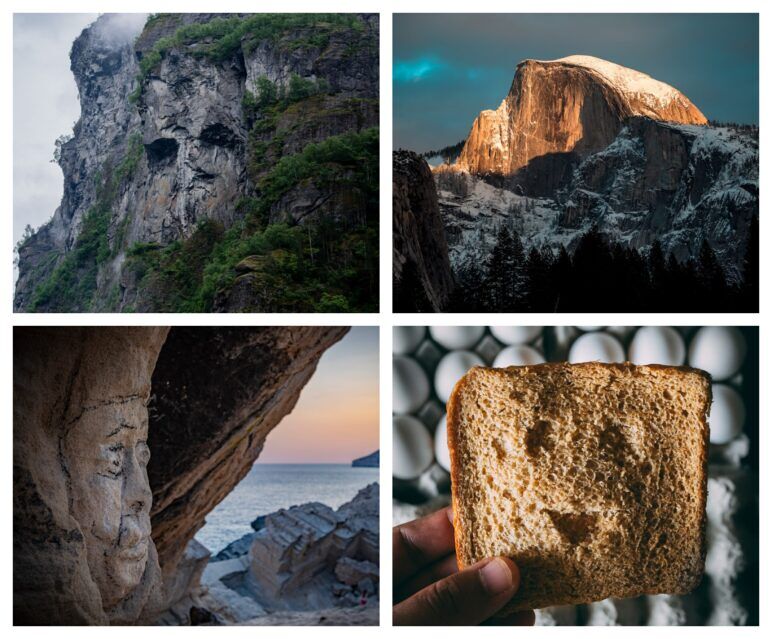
(627, 81)
(714, 196)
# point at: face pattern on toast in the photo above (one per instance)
(592, 477)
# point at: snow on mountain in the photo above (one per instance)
(677, 183)
(628, 81)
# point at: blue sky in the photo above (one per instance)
(449, 67)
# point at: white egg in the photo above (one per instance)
(516, 334)
(657, 345)
(406, 339)
(719, 350)
(451, 368)
(727, 414)
(521, 355)
(412, 447)
(411, 386)
(454, 337)
(596, 347)
(441, 452)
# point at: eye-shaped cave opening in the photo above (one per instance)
(218, 134)
(162, 150)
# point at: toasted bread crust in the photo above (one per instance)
(470, 543)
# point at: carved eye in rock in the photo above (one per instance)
(143, 453)
(112, 461)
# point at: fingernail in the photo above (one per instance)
(496, 576)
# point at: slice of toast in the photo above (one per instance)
(591, 477)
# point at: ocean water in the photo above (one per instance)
(269, 487)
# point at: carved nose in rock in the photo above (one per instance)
(137, 497)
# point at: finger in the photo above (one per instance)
(467, 598)
(433, 572)
(421, 542)
(523, 618)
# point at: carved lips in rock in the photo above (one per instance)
(106, 454)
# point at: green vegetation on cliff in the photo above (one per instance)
(220, 38)
(70, 287)
(328, 265)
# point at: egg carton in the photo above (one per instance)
(427, 363)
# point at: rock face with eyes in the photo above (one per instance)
(83, 553)
(106, 455)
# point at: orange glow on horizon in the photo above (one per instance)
(336, 417)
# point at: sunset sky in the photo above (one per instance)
(336, 418)
(449, 67)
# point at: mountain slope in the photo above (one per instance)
(679, 184)
(220, 163)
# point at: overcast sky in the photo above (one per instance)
(336, 419)
(45, 105)
(447, 68)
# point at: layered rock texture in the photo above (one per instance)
(575, 105)
(305, 558)
(212, 159)
(101, 534)
(421, 277)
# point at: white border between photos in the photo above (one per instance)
(385, 318)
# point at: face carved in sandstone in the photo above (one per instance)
(106, 454)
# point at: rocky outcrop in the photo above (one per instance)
(372, 460)
(559, 111)
(307, 564)
(101, 535)
(421, 277)
(294, 559)
(173, 134)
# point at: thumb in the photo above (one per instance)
(468, 597)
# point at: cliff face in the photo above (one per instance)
(196, 142)
(101, 534)
(422, 277)
(564, 108)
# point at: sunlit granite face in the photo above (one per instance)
(106, 454)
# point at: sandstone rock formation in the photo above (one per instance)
(222, 405)
(419, 250)
(561, 108)
(173, 136)
(90, 405)
(82, 547)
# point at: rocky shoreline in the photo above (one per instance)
(304, 565)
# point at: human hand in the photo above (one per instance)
(429, 589)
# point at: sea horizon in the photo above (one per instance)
(271, 486)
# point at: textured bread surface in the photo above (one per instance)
(591, 477)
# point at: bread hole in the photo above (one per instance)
(507, 495)
(666, 394)
(576, 528)
(539, 438)
(646, 468)
(613, 444)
